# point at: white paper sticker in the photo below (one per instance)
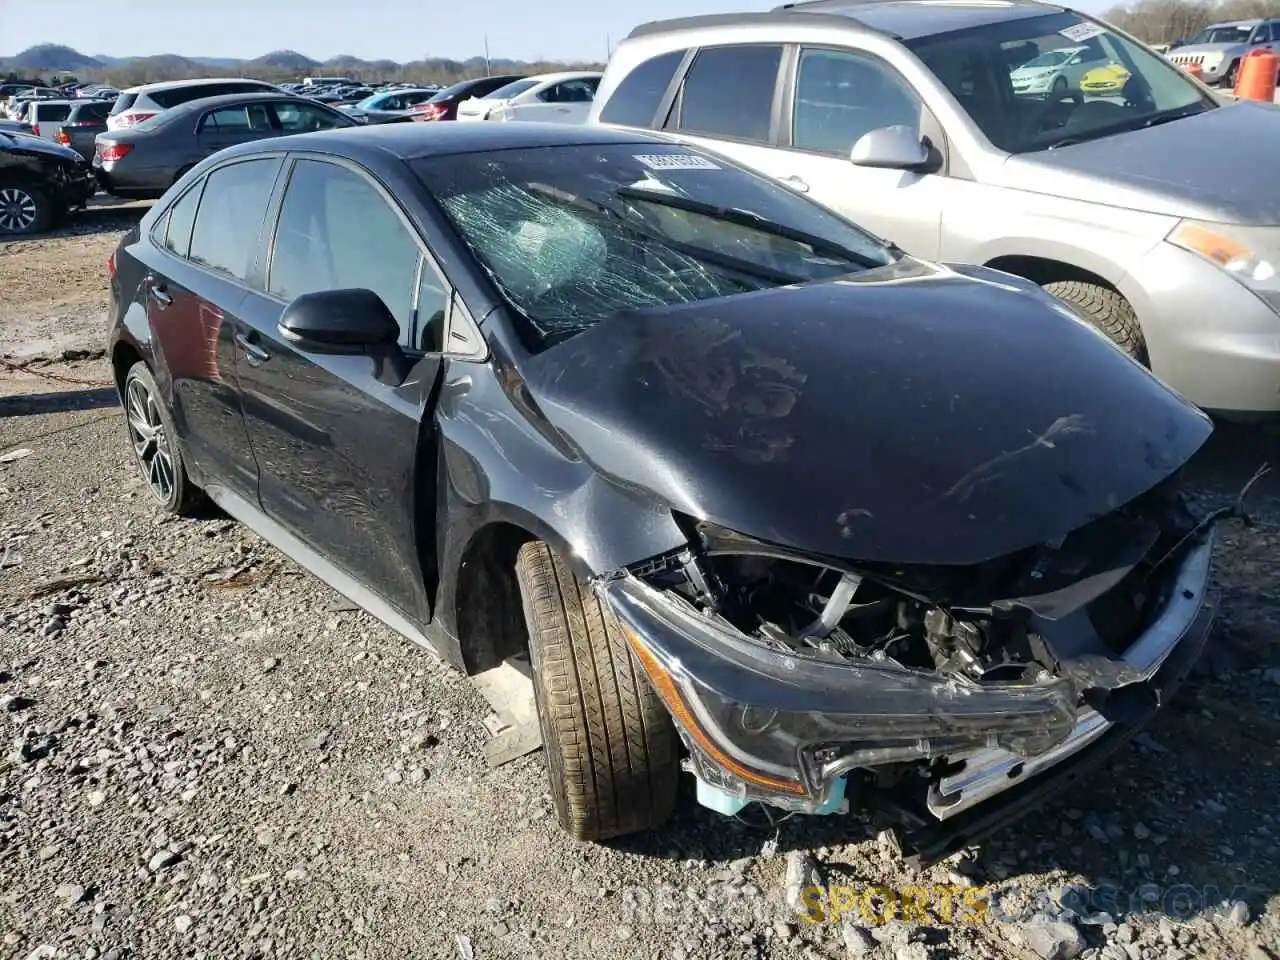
(1084, 30)
(675, 161)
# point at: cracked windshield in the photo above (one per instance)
(604, 229)
(1056, 80)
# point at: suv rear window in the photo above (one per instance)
(51, 112)
(123, 103)
(637, 97)
(91, 111)
(178, 95)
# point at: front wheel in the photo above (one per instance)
(155, 444)
(612, 750)
(24, 210)
(1106, 310)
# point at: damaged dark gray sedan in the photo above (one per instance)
(733, 474)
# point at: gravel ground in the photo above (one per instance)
(208, 753)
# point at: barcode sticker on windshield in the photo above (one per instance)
(675, 161)
(1084, 30)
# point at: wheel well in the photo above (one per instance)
(488, 608)
(1042, 270)
(122, 358)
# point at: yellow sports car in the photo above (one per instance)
(1108, 79)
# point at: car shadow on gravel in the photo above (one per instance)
(63, 401)
(104, 215)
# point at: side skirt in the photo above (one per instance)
(303, 555)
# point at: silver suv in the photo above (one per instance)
(1219, 47)
(136, 104)
(1104, 181)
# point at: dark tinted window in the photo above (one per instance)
(181, 216)
(230, 215)
(241, 119)
(177, 95)
(304, 117)
(52, 112)
(91, 111)
(337, 231)
(433, 304)
(571, 91)
(728, 92)
(842, 95)
(638, 96)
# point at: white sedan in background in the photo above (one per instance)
(548, 98)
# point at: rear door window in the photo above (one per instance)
(90, 112)
(182, 215)
(241, 119)
(231, 212)
(728, 92)
(52, 112)
(637, 98)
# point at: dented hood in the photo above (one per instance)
(926, 418)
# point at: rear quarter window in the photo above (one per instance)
(123, 103)
(636, 99)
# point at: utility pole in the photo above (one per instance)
(487, 71)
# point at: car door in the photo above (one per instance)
(206, 243)
(228, 126)
(335, 435)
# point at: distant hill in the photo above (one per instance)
(49, 57)
(278, 65)
(280, 60)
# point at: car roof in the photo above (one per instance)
(542, 78)
(232, 99)
(903, 19)
(414, 141)
(57, 103)
(1235, 23)
(179, 84)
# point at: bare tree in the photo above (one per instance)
(1163, 21)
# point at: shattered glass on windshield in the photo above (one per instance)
(574, 234)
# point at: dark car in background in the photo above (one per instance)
(389, 106)
(444, 105)
(80, 127)
(720, 463)
(142, 162)
(40, 183)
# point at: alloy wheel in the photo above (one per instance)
(151, 443)
(18, 210)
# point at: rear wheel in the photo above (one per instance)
(612, 750)
(155, 444)
(24, 210)
(1106, 310)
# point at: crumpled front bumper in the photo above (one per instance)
(766, 725)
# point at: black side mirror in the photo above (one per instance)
(341, 321)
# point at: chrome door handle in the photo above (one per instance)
(795, 183)
(253, 353)
(159, 294)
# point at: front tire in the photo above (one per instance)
(612, 750)
(24, 210)
(154, 442)
(1107, 311)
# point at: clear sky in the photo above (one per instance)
(399, 30)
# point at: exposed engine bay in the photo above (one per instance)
(976, 623)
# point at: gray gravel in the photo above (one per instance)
(205, 753)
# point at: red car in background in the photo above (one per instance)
(444, 105)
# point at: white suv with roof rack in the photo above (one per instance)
(1108, 187)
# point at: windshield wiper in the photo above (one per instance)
(752, 221)
(1169, 116)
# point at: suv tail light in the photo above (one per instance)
(35, 128)
(429, 111)
(63, 137)
(107, 152)
(111, 266)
